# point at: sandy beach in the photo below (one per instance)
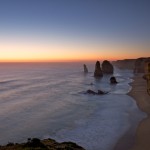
(139, 141)
(139, 93)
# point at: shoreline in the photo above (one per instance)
(138, 140)
(143, 102)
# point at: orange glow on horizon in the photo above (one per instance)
(29, 51)
(68, 59)
(62, 60)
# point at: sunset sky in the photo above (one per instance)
(74, 30)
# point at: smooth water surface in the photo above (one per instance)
(48, 100)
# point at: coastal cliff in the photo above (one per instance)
(125, 63)
(137, 65)
(140, 65)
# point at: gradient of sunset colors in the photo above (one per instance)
(68, 30)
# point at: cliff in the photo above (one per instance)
(125, 64)
(137, 65)
(140, 64)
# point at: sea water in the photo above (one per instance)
(48, 100)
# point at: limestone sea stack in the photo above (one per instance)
(85, 69)
(107, 67)
(98, 71)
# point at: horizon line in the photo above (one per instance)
(64, 61)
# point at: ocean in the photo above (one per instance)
(48, 100)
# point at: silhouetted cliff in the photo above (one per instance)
(137, 65)
(140, 65)
(125, 63)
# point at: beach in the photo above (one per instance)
(139, 93)
(140, 139)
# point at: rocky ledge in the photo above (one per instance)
(47, 144)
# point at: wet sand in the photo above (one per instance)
(141, 139)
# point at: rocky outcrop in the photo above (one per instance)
(113, 80)
(140, 65)
(91, 92)
(100, 92)
(48, 144)
(85, 69)
(98, 71)
(107, 67)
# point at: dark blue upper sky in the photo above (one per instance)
(115, 18)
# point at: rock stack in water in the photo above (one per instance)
(113, 80)
(85, 69)
(98, 71)
(107, 67)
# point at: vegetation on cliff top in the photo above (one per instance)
(47, 144)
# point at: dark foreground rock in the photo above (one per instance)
(36, 144)
(107, 67)
(98, 71)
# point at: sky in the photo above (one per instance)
(74, 30)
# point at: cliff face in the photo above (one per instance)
(137, 65)
(125, 64)
(140, 65)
